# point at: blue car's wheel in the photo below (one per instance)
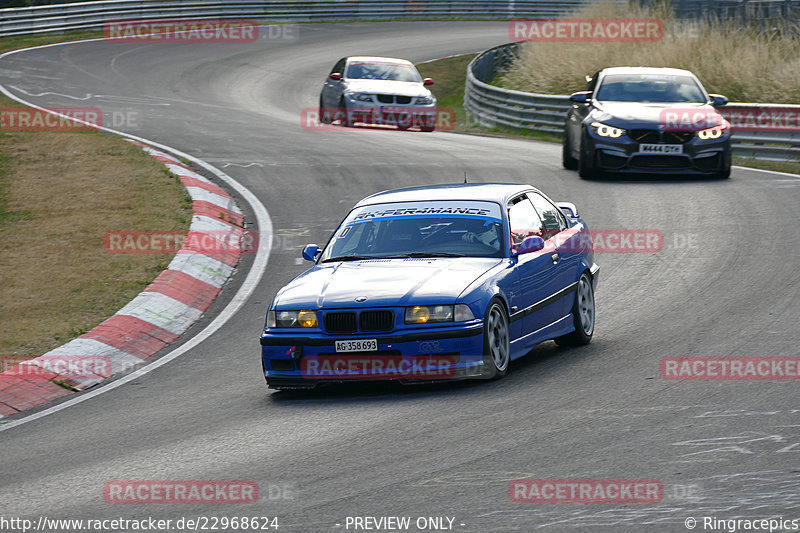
(496, 343)
(583, 311)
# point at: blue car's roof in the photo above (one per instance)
(492, 192)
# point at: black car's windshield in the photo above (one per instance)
(650, 88)
(362, 70)
(419, 229)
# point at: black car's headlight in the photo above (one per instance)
(361, 97)
(292, 319)
(712, 133)
(428, 314)
(425, 100)
(604, 130)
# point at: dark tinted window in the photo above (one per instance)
(656, 88)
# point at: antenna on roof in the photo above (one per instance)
(465, 176)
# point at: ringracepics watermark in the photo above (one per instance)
(587, 30)
(158, 242)
(585, 491)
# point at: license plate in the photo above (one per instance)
(361, 345)
(387, 110)
(661, 148)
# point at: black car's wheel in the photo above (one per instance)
(324, 114)
(496, 341)
(585, 168)
(569, 162)
(583, 312)
(724, 173)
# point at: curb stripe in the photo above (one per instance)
(131, 335)
(184, 288)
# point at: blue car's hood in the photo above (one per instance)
(384, 282)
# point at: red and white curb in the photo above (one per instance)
(175, 300)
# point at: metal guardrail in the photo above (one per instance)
(492, 106)
(90, 15)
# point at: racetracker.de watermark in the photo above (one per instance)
(70, 119)
(619, 241)
(384, 367)
(316, 119)
(182, 31)
(159, 242)
(730, 368)
(65, 366)
(181, 492)
(587, 30)
(585, 491)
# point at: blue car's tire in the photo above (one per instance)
(585, 169)
(496, 341)
(583, 314)
(567, 161)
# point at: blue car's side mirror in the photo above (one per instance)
(531, 244)
(310, 252)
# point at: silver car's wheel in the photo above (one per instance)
(496, 344)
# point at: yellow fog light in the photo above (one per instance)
(307, 319)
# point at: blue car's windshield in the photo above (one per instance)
(650, 88)
(419, 229)
(362, 70)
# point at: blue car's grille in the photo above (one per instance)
(340, 322)
(367, 321)
(656, 136)
(376, 320)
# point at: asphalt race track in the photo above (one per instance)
(725, 284)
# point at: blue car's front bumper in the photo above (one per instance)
(297, 359)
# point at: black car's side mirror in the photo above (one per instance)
(581, 97)
(717, 100)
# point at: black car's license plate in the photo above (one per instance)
(661, 148)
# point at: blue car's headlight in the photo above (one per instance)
(712, 133)
(429, 314)
(361, 97)
(292, 319)
(604, 130)
(425, 100)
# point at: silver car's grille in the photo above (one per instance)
(394, 99)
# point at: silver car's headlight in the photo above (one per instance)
(425, 100)
(361, 97)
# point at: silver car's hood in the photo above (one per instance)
(403, 88)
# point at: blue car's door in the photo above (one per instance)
(564, 247)
(537, 273)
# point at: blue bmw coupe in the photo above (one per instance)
(434, 283)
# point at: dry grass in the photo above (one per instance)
(59, 193)
(742, 63)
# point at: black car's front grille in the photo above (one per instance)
(656, 136)
(610, 161)
(376, 320)
(660, 161)
(645, 136)
(340, 322)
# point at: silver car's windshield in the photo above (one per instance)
(362, 70)
(650, 88)
(419, 229)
